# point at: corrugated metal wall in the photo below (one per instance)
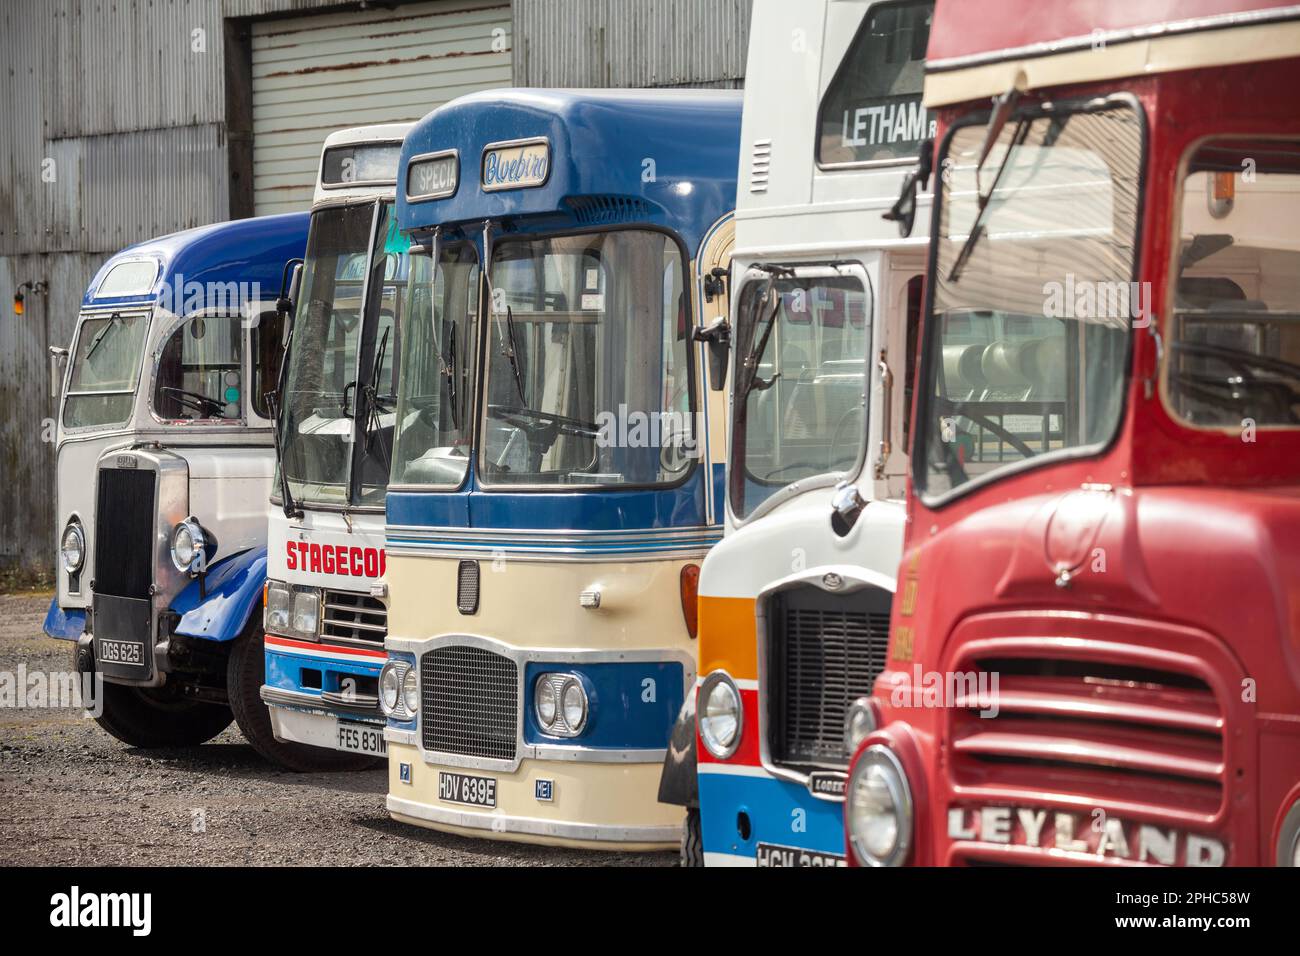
(122, 104)
(313, 75)
(631, 43)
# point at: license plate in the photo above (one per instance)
(769, 854)
(121, 652)
(462, 788)
(361, 739)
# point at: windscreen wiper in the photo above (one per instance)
(508, 347)
(291, 509)
(114, 322)
(752, 382)
(982, 199)
(449, 370)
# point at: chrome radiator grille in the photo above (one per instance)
(352, 618)
(824, 651)
(469, 702)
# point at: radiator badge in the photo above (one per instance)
(1098, 834)
(828, 784)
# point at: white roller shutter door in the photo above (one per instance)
(315, 74)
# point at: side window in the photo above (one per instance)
(199, 371)
(1234, 353)
(872, 109)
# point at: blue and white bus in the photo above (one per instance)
(558, 458)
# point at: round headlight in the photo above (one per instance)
(859, 721)
(188, 543)
(72, 547)
(720, 715)
(411, 692)
(878, 809)
(574, 701)
(546, 702)
(390, 687)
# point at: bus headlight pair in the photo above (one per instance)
(399, 690)
(292, 610)
(560, 704)
(878, 808)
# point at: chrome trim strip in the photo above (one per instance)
(296, 700)
(1109, 37)
(533, 825)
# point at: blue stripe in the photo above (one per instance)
(779, 812)
(590, 510)
(632, 706)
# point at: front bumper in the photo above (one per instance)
(609, 806)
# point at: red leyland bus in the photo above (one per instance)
(1095, 649)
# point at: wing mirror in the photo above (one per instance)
(717, 335)
(290, 287)
(58, 365)
(903, 211)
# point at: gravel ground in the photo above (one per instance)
(72, 795)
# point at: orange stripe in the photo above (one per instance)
(727, 637)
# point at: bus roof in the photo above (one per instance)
(243, 251)
(1059, 42)
(660, 156)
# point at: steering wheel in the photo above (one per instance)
(1228, 390)
(197, 401)
(543, 423)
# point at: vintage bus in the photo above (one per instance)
(794, 603)
(557, 468)
(164, 463)
(324, 614)
(1094, 657)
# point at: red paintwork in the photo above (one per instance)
(1201, 538)
(972, 27)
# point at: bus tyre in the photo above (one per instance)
(148, 718)
(692, 840)
(245, 675)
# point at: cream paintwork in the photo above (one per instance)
(640, 605)
(607, 795)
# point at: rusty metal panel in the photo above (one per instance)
(313, 75)
(631, 43)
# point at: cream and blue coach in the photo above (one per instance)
(557, 474)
